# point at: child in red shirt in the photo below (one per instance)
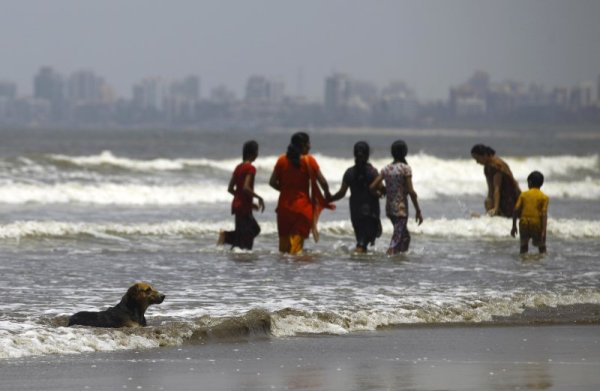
(241, 186)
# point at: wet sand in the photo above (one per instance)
(559, 357)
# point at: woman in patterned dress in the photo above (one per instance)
(398, 184)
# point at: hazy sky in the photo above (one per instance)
(429, 44)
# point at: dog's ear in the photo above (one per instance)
(133, 290)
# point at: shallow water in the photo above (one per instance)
(85, 215)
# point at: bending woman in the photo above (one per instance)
(297, 208)
(503, 189)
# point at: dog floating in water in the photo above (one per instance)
(128, 313)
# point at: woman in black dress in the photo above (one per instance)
(364, 205)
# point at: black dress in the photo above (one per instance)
(364, 206)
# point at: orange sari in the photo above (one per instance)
(300, 200)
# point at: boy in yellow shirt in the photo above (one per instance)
(532, 211)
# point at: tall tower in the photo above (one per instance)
(85, 86)
(48, 85)
(337, 92)
(8, 89)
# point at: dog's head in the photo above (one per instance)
(144, 294)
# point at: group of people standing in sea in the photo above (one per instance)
(304, 193)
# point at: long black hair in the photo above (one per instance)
(361, 158)
(399, 151)
(296, 147)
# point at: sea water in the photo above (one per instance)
(85, 214)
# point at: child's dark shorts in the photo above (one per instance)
(529, 230)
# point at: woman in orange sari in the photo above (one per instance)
(295, 176)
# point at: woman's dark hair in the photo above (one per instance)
(399, 151)
(535, 179)
(296, 147)
(482, 150)
(361, 153)
(361, 158)
(249, 150)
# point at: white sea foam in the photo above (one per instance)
(335, 167)
(37, 341)
(113, 194)
(107, 158)
(566, 177)
(451, 228)
(211, 192)
(430, 311)
(22, 339)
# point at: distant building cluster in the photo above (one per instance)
(84, 99)
(479, 97)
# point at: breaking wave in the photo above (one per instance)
(447, 228)
(50, 336)
(59, 179)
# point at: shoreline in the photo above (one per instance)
(553, 357)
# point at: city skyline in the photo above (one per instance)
(84, 99)
(430, 45)
(201, 93)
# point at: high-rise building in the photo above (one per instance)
(149, 94)
(85, 87)
(259, 89)
(222, 94)
(187, 89)
(337, 92)
(8, 89)
(48, 85)
(276, 91)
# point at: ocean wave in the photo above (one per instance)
(46, 180)
(334, 166)
(426, 168)
(108, 159)
(50, 335)
(136, 194)
(483, 227)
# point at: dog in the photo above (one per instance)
(128, 313)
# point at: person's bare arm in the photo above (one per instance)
(274, 182)
(250, 191)
(544, 225)
(514, 230)
(324, 185)
(377, 187)
(497, 184)
(340, 194)
(231, 186)
(414, 198)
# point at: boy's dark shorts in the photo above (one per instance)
(531, 231)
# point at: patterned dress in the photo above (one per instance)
(396, 206)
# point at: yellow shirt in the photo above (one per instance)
(534, 205)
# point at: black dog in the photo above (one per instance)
(128, 313)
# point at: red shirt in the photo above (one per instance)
(242, 201)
